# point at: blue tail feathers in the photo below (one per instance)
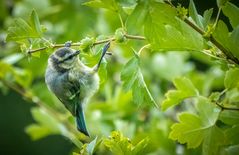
(80, 120)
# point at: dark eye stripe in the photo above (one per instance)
(68, 58)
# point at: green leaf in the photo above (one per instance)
(86, 43)
(229, 117)
(188, 130)
(37, 132)
(231, 150)
(137, 18)
(133, 79)
(221, 33)
(129, 72)
(232, 134)
(221, 3)
(193, 13)
(166, 32)
(91, 146)
(207, 17)
(35, 23)
(103, 72)
(44, 119)
(118, 145)
(185, 89)
(234, 42)
(196, 129)
(229, 40)
(214, 138)
(13, 58)
(139, 148)
(5, 69)
(119, 35)
(106, 4)
(22, 77)
(20, 30)
(231, 79)
(231, 11)
(166, 69)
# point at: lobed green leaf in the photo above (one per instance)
(166, 32)
(231, 79)
(35, 23)
(37, 131)
(195, 129)
(229, 40)
(21, 30)
(133, 79)
(106, 4)
(194, 14)
(231, 11)
(230, 117)
(207, 17)
(118, 145)
(185, 89)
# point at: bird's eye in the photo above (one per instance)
(69, 57)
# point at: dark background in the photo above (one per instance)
(14, 117)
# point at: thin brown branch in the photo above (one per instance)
(78, 43)
(36, 50)
(226, 108)
(134, 37)
(227, 53)
(103, 41)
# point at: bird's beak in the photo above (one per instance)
(75, 53)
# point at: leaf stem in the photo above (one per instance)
(213, 56)
(217, 18)
(142, 48)
(121, 21)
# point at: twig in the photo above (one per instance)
(134, 37)
(227, 53)
(226, 108)
(78, 43)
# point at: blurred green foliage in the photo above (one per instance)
(171, 83)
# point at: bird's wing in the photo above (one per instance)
(79, 113)
(74, 93)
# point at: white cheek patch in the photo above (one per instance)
(65, 65)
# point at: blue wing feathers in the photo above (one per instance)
(80, 120)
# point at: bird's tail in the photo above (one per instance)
(80, 120)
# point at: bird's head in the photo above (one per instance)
(63, 58)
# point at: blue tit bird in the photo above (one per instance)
(72, 82)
